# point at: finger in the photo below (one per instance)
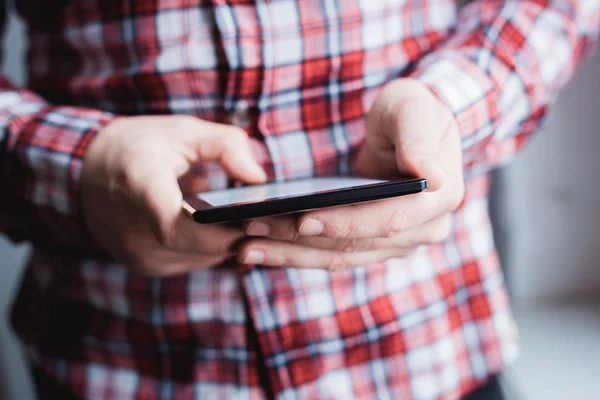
(284, 228)
(181, 263)
(285, 254)
(192, 184)
(214, 239)
(384, 218)
(418, 149)
(422, 165)
(431, 232)
(229, 146)
(376, 160)
(162, 262)
(158, 193)
(159, 201)
(280, 228)
(160, 204)
(418, 138)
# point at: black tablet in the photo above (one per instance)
(237, 204)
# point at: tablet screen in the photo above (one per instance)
(253, 194)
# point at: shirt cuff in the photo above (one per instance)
(471, 94)
(47, 159)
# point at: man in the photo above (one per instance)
(132, 103)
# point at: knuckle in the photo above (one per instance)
(354, 245)
(126, 175)
(290, 258)
(236, 136)
(338, 262)
(441, 231)
(224, 246)
(187, 122)
(292, 235)
(437, 236)
(166, 236)
(344, 228)
(147, 194)
(457, 196)
(234, 142)
(394, 225)
(287, 232)
(141, 264)
(446, 228)
(389, 228)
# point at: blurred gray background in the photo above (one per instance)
(547, 211)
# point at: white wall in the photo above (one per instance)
(551, 202)
(14, 381)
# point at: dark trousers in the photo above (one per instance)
(491, 391)
(48, 389)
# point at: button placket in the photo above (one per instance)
(240, 115)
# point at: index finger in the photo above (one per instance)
(382, 218)
(190, 236)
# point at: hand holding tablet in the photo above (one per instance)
(248, 202)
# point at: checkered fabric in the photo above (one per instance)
(299, 76)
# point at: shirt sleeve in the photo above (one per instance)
(503, 67)
(41, 155)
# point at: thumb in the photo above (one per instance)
(229, 146)
(421, 161)
(161, 201)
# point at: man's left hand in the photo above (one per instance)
(409, 131)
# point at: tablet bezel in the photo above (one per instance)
(204, 213)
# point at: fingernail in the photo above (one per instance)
(255, 257)
(311, 227)
(257, 228)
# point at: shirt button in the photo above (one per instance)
(239, 117)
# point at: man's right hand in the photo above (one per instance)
(131, 198)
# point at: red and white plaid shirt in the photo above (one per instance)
(300, 76)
